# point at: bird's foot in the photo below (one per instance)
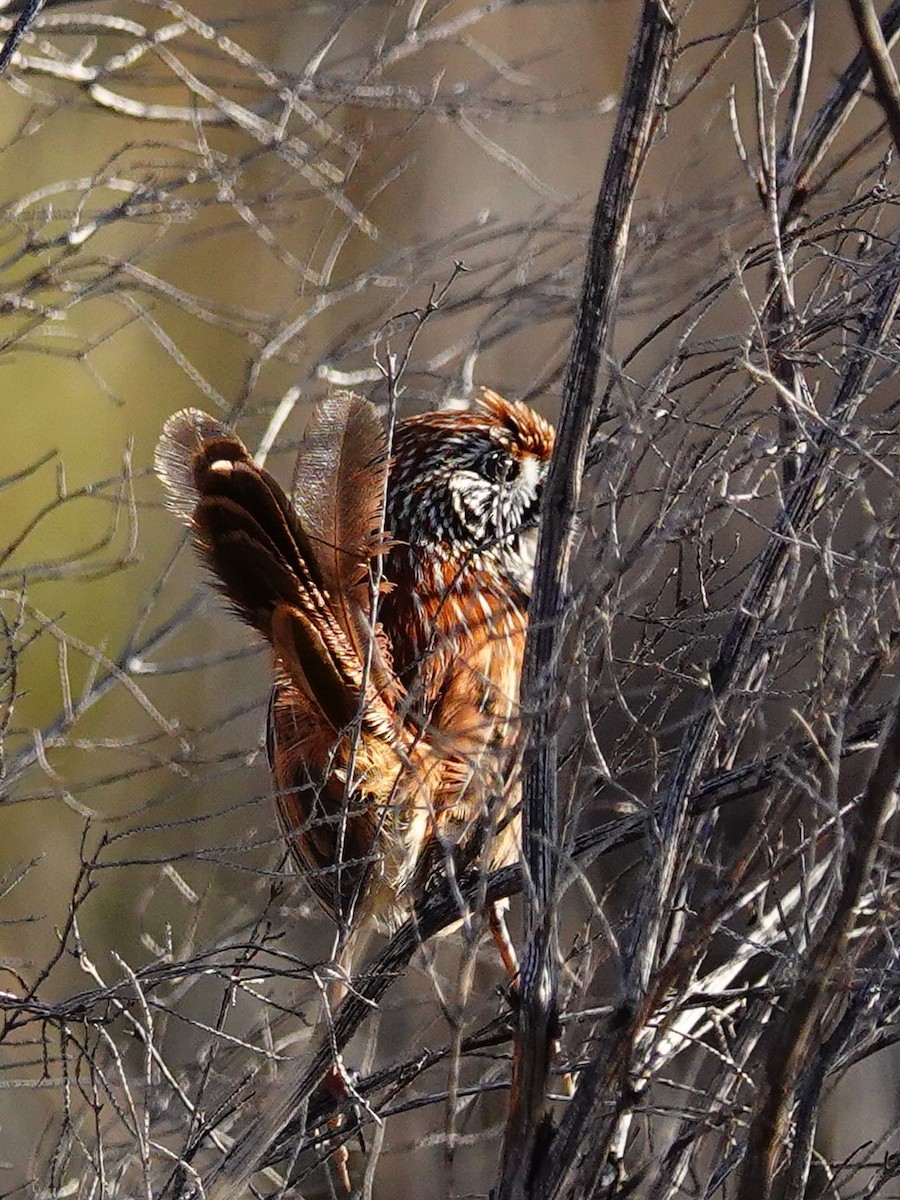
(339, 1086)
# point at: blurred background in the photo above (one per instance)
(234, 207)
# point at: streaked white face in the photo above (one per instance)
(498, 506)
(499, 501)
(466, 489)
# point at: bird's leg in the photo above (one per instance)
(337, 1082)
(334, 1084)
(504, 943)
(500, 932)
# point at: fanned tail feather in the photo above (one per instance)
(243, 525)
(338, 491)
(262, 559)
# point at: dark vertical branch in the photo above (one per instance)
(637, 121)
(29, 14)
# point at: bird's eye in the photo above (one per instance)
(500, 468)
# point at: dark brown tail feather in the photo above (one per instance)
(244, 527)
(246, 531)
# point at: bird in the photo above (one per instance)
(392, 586)
(452, 514)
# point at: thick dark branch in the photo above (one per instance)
(637, 120)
